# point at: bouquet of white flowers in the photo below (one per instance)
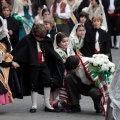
(100, 65)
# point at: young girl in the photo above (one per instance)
(84, 20)
(96, 41)
(49, 24)
(38, 18)
(45, 13)
(61, 47)
(77, 38)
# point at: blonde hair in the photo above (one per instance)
(7, 6)
(97, 17)
(50, 20)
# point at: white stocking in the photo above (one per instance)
(47, 97)
(34, 99)
(117, 41)
(112, 40)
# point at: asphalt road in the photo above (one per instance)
(20, 109)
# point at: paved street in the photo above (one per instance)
(20, 109)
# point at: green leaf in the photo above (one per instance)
(93, 68)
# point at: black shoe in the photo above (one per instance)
(51, 110)
(99, 111)
(33, 110)
(116, 48)
(74, 109)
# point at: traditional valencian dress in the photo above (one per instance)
(7, 92)
(75, 43)
(23, 13)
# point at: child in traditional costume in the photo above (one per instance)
(61, 46)
(76, 38)
(43, 12)
(50, 26)
(12, 25)
(44, 66)
(97, 40)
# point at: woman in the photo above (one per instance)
(23, 13)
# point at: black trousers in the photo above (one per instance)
(75, 87)
(39, 75)
(115, 25)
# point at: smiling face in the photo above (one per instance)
(47, 26)
(64, 43)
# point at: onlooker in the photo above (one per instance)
(12, 25)
(97, 41)
(112, 10)
(61, 13)
(23, 13)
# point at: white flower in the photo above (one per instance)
(104, 67)
(95, 63)
(91, 60)
(112, 70)
(102, 61)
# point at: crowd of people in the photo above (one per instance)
(43, 50)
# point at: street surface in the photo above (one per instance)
(20, 109)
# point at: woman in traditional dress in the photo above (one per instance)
(23, 13)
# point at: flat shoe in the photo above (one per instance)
(33, 110)
(51, 110)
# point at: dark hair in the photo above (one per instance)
(71, 63)
(59, 37)
(84, 14)
(8, 2)
(39, 6)
(97, 2)
(39, 31)
(80, 26)
(45, 10)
